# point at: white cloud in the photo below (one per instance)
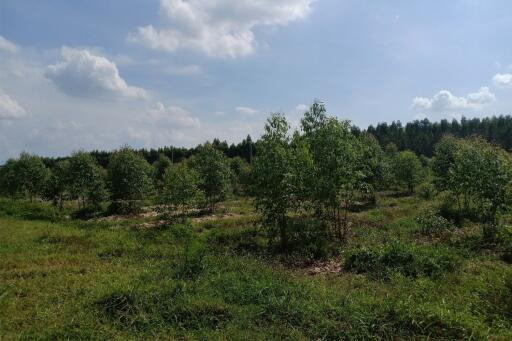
(81, 73)
(10, 109)
(175, 116)
(217, 28)
(503, 79)
(246, 111)
(302, 108)
(7, 45)
(444, 100)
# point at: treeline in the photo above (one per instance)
(245, 150)
(310, 177)
(422, 136)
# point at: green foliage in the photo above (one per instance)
(86, 181)
(407, 170)
(272, 181)
(130, 181)
(432, 224)
(160, 167)
(58, 183)
(240, 175)
(180, 188)
(406, 259)
(25, 176)
(476, 174)
(338, 171)
(213, 168)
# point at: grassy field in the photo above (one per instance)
(132, 278)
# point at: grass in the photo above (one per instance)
(217, 279)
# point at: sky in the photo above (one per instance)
(96, 74)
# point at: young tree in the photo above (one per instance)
(30, 175)
(213, 168)
(272, 177)
(336, 173)
(86, 180)
(240, 170)
(180, 188)
(9, 182)
(161, 166)
(58, 183)
(407, 170)
(130, 182)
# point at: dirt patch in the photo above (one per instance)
(329, 267)
(216, 217)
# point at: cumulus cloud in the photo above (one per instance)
(246, 111)
(175, 116)
(217, 28)
(7, 45)
(81, 73)
(10, 109)
(503, 79)
(444, 100)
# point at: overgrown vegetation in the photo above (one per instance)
(321, 235)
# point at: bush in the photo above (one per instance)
(406, 259)
(430, 224)
(427, 190)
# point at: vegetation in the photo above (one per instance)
(321, 234)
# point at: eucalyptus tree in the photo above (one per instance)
(336, 173)
(130, 180)
(407, 170)
(213, 168)
(86, 180)
(180, 189)
(272, 178)
(58, 183)
(29, 175)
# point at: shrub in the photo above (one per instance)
(427, 190)
(430, 223)
(406, 259)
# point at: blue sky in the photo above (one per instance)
(100, 74)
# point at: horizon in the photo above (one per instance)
(168, 72)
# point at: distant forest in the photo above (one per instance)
(419, 136)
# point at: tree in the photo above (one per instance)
(30, 175)
(129, 176)
(240, 171)
(9, 183)
(86, 180)
(213, 168)
(407, 170)
(272, 177)
(161, 166)
(58, 183)
(336, 172)
(477, 174)
(180, 188)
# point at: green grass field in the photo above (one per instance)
(217, 279)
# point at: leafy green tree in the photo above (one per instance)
(272, 178)
(336, 173)
(213, 168)
(58, 183)
(86, 180)
(130, 181)
(30, 175)
(477, 174)
(161, 166)
(180, 188)
(9, 182)
(407, 170)
(240, 173)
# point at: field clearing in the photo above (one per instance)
(217, 279)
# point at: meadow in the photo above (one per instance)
(214, 276)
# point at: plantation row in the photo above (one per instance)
(317, 174)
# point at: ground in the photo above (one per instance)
(135, 278)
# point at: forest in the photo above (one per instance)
(327, 232)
